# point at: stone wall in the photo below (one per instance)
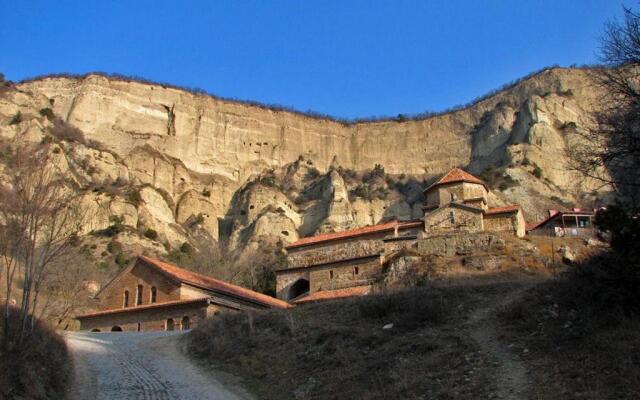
(154, 319)
(344, 274)
(113, 296)
(442, 194)
(456, 244)
(512, 223)
(336, 250)
(284, 280)
(452, 218)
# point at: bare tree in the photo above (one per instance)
(40, 218)
(610, 148)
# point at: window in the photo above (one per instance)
(125, 299)
(356, 270)
(330, 274)
(154, 294)
(452, 217)
(169, 326)
(185, 323)
(139, 327)
(454, 197)
(139, 295)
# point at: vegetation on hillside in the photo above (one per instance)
(342, 350)
(37, 368)
(583, 330)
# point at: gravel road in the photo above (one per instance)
(149, 366)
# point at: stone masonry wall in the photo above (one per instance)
(335, 250)
(343, 275)
(463, 220)
(166, 290)
(150, 319)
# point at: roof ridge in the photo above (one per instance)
(210, 283)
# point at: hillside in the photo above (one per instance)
(160, 166)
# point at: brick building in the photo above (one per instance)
(154, 295)
(328, 265)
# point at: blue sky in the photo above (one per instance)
(344, 58)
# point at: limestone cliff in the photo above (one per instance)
(171, 161)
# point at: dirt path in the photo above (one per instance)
(149, 366)
(511, 375)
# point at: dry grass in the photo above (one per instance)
(583, 333)
(338, 350)
(39, 369)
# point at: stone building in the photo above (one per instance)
(339, 260)
(152, 295)
(344, 263)
(458, 202)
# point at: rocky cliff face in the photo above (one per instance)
(175, 162)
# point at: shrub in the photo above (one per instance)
(133, 197)
(537, 172)
(16, 119)
(122, 260)
(65, 131)
(48, 113)
(40, 368)
(408, 309)
(186, 248)
(114, 247)
(313, 173)
(151, 234)
(117, 225)
(206, 192)
(525, 161)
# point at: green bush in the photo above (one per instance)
(122, 260)
(114, 247)
(151, 234)
(133, 197)
(48, 113)
(16, 119)
(537, 172)
(186, 248)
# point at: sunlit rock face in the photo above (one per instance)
(191, 159)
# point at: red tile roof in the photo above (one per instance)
(325, 295)
(327, 237)
(456, 175)
(215, 285)
(501, 210)
(144, 307)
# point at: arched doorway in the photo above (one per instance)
(170, 325)
(185, 323)
(95, 330)
(116, 329)
(300, 287)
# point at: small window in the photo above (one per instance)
(452, 217)
(125, 299)
(170, 325)
(185, 323)
(356, 270)
(154, 294)
(139, 327)
(330, 274)
(454, 197)
(139, 295)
